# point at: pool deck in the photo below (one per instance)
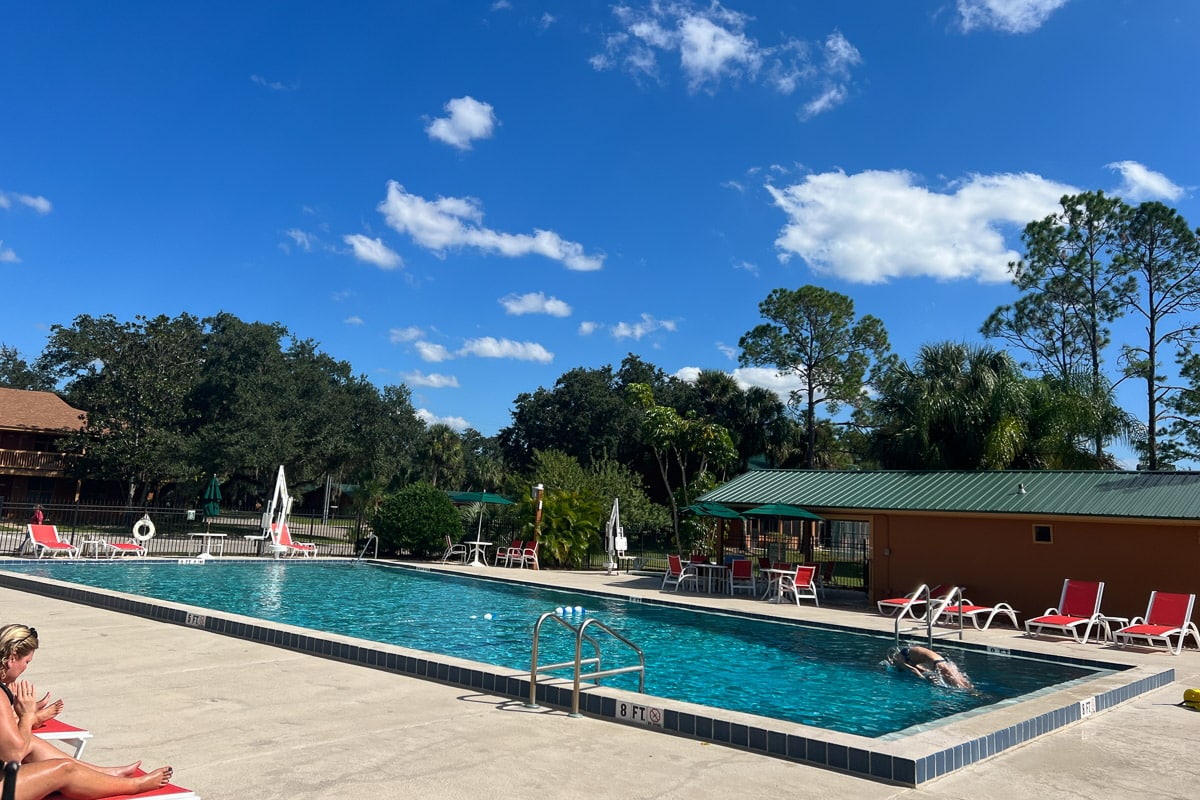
(238, 719)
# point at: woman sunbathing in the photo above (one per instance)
(46, 769)
(927, 664)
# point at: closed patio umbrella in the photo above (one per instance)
(706, 509)
(212, 500)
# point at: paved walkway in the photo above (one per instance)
(244, 720)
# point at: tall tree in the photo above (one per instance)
(812, 334)
(1071, 291)
(443, 455)
(135, 380)
(1157, 247)
(684, 448)
(16, 373)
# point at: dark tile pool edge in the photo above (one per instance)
(871, 759)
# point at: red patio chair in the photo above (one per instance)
(678, 574)
(44, 540)
(742, 574)
(802, 585)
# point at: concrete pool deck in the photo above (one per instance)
(241, 719)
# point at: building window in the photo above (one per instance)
(1042, 534)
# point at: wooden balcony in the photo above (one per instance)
(30, 462)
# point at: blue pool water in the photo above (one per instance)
(814, 676)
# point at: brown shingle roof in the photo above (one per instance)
(24, 410)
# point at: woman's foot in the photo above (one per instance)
(155, 779)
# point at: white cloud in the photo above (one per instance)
(729, 351)
(490, 347)
(764, 377)
(468, 120)
(534, 303)
(304, 241)
(432, 352)
(452, 222)
(7, 255)
(588, 328)
(429, 418)
(646, 325)
(747, 266)
(353, 320)
(1009, 16)
(275, 86)
(409, 334)
(875, 225)
(38, 203)
(713, 47)
(1139, 183)
(433, 380)
(373, 251)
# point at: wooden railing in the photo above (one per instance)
(32, 461)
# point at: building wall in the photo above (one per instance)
(996, 559)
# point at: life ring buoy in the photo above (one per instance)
(143, 529)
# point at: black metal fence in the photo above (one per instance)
(176, 530)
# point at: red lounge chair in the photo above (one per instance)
(1167, 615)
(283, 545)
(44, 540)
(1078, 608)
(54, 730)
(802, 585)
(907, 605)
(973, 612)
(168, 792)
(122, 549)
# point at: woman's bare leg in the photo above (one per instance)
(41, 750)
(79, 782)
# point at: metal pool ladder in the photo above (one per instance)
(579, 661)
(371, 539)
(954, 598)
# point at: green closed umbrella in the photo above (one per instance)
(782, 510)
(706, 509)
(212, 500)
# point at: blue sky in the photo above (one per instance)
(474, 197)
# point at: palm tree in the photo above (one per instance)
(443, 453)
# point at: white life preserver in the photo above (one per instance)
(143, 529)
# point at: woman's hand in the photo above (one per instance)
(27, 703)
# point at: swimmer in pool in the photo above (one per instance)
(927, 664)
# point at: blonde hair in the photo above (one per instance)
(16, 640)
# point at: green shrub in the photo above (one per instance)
(416, 520)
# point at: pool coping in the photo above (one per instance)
(908, 759)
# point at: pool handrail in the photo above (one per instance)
(932, 613)
(579, 660)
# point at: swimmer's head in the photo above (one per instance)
(895, 657)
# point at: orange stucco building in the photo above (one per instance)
(1003, 536)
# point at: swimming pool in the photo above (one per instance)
(809, 675)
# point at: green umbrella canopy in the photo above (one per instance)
(781, 510)
(479, 497)
(212, 498)
(712, 510)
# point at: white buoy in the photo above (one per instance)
(559, 611)
(578, 609)
(487, 616)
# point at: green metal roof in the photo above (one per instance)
(1153, 495)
